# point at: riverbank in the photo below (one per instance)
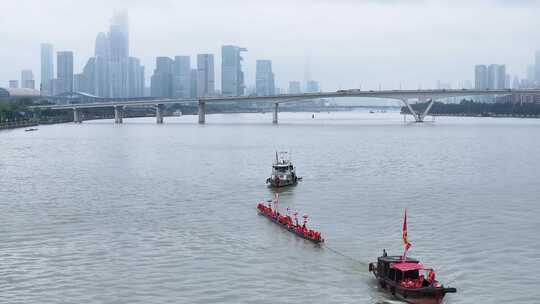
(487, 115)
(15, 125)
(27, 124)
(471, 108)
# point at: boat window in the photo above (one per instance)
(281, 169)
(399, 276)
(411, 274)
(392, 274)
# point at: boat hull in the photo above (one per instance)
(424, 295)
(281, 183)
(291, 229)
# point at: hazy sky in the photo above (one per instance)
(348, 42)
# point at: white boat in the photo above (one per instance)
(283, 171)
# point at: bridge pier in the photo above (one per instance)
(36, 115)
(426, 111)
(417, 117)
(118, 114)
(275, 113)
(77, 115)
(202, 112)
(159, 113)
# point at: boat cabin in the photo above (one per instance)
(283, 168)
(283, 171)
(408, 273)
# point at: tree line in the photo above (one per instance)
(472, 108)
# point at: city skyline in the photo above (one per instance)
(376, 55)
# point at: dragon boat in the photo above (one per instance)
(287, 222)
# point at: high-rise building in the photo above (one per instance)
(135, 80)
(161, 80)
(27, 79)
(47, 68)
(516, 83)
(531, 74)
(13, 84)
(102, 47)
(294, 87)
(119, 36)
(312, 86)
(64, 73)
(102, 83)
(232, 77)
(119, 77)
(264, 81)
(496, 76)
(193, 83)
(205, 75)
(181, 77)
(89, 74)
(80, 83)
(480, 77)
(124, 71)
(110, 73)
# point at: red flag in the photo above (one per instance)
(406, 242)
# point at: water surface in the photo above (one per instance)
(146, 213)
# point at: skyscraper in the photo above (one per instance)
(13, 84)
(531, 73)
(294, 87)
(27, 79)
(102, 83)
(89, 72)
(102, 47)
(496, 76)
(232, 77)
(480, 77)
(80, 83)
(205, 75)
(119, 36)
(64, 74)
(193, 85)
(181, 77)
(47, 68)
(119, 61)
(135, 80)
(161, 80)
(264, 81)
(312, 86)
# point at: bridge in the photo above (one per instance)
(405, 96)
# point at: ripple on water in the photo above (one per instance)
(141, 213)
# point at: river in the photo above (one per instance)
(147, 213)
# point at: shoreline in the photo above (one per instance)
(489, 115)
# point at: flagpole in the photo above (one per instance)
(405, 236)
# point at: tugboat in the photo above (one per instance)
(287, 222)
(406, 278)
(283, 172)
